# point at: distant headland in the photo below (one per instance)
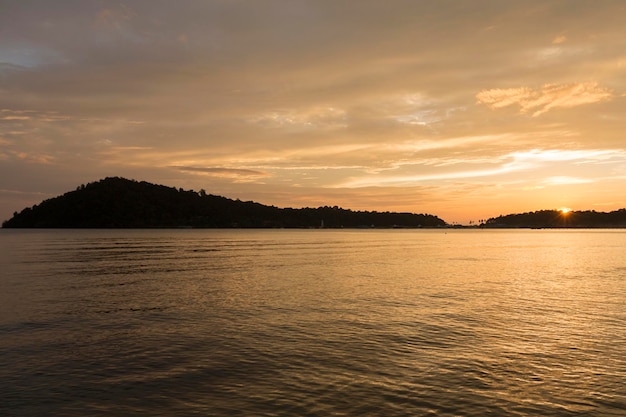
(116, 202)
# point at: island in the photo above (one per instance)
(116, 202)
(541, 219)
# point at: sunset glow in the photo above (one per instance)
(400, 106)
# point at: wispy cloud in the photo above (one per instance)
(37, 158)
(15, 118)
(233, 173)
(548, 97)
(23, 193)
(565, 180)
(555, 155)
(497, 166)
(317, 117)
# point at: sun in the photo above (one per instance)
(565, 210)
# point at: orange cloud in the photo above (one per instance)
(241, 175)
(112, 18)
(549, 97)
(565, 180)
(15, 118)
(471, 167)
(34, 158)
(318, 117)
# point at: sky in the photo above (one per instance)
(464, 109)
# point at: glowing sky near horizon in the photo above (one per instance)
(465, 109)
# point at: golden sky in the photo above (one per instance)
(465, 109)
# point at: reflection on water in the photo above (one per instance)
(312, 323)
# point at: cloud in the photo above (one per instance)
(113, 18)
(317, 117)
(477, 167)
(549, 97)
(565, 180)
(235, 173)
(37, 158)
(15, 118)
(555, 155)
(413, 109)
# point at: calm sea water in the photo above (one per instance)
(312, 322)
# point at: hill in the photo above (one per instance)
(560, 219)
(121, 203)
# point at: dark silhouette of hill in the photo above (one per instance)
(560, 219)
(121, 203)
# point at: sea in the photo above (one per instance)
(438, 322)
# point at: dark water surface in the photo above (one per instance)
(312, 322)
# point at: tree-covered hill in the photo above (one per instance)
(121, 203)
(558, 219)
